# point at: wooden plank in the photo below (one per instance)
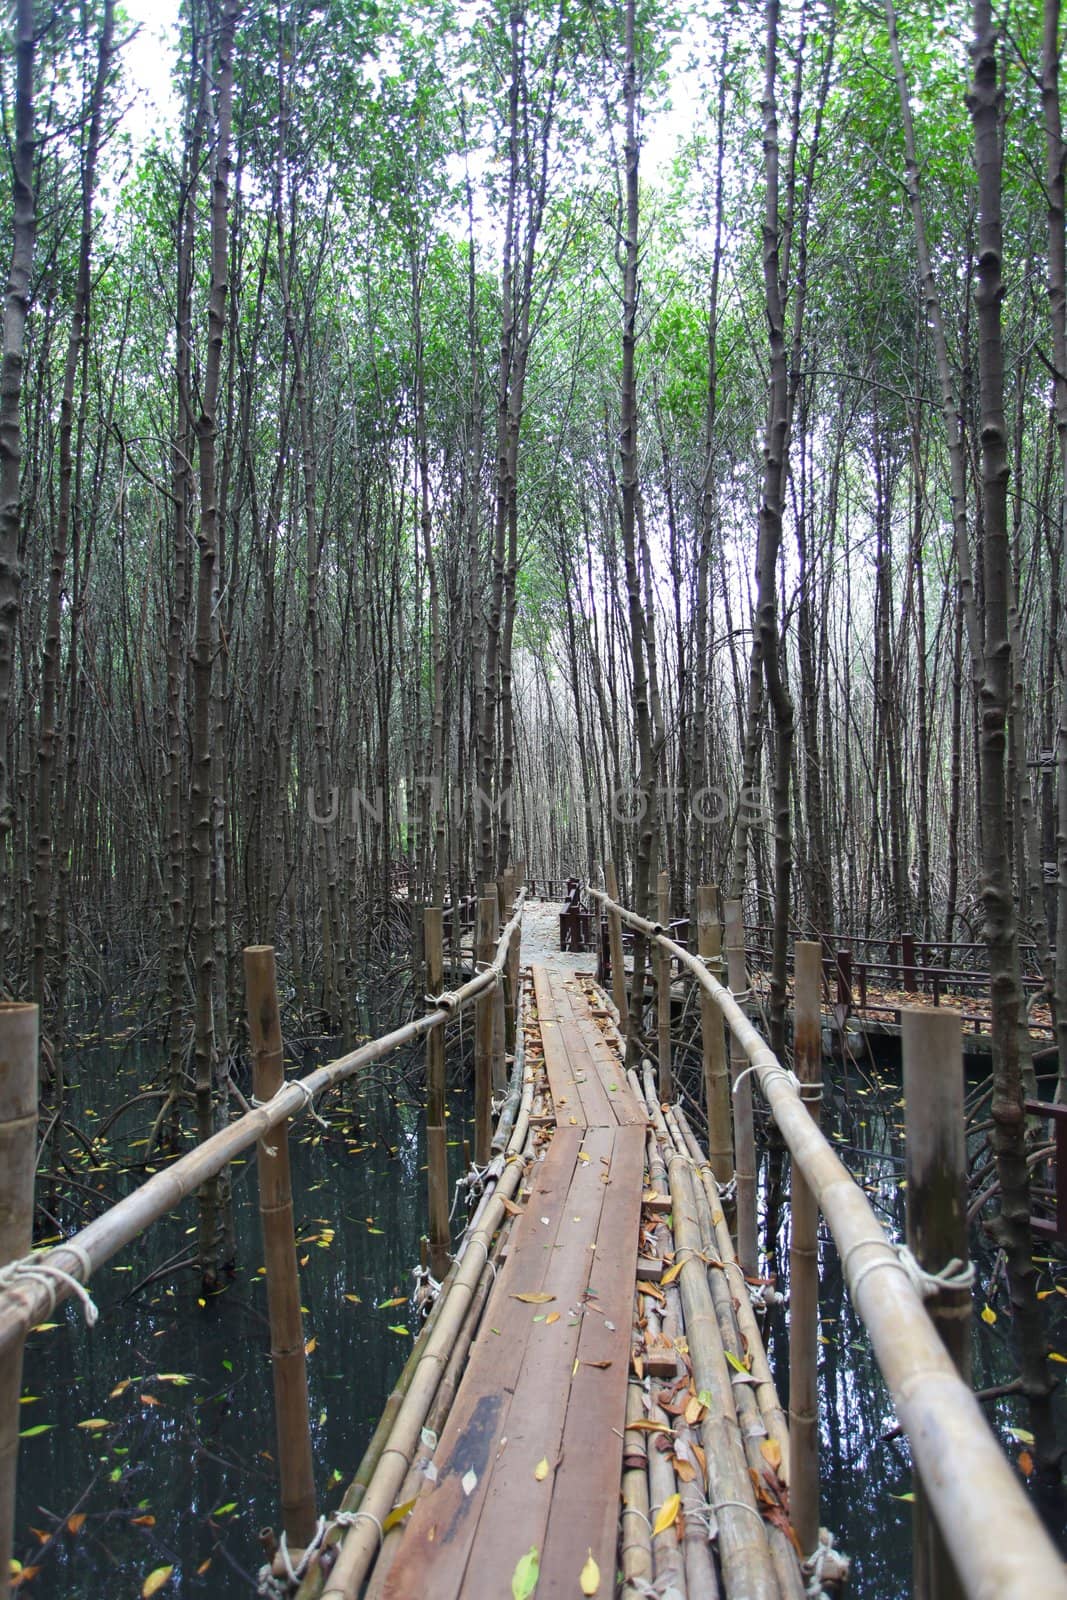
(609, 1069)
(557, 1060)
(442, 1526)
(516, 1512)
(585, 1494)
(572, 1010)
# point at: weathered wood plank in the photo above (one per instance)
(585, 1493)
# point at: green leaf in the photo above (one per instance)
(39, 1427)
(524, 1578)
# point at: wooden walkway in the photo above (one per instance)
(531, 1454)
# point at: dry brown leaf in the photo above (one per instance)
(76, 1522)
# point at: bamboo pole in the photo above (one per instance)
(804, 1262)
(636, 1532)
(18, 1154)
(24, 1304)
(483, 1036)
(511, 973)
(743, 1548)
(713, 1040)
(436, 1134)
(997, 1540)
(744, 1128)
(296, 1473)
(936, 1173)
(663, 993)
(618, 969)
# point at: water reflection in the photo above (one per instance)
(158, 1426)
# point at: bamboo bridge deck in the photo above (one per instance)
(558, 1402)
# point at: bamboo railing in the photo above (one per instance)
(994, 1537)
(53, 1275)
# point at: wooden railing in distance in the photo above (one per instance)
(27, 1300)
(993, 1534)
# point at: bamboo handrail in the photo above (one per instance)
(26, 1302)
(996, 1539)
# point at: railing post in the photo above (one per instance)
(713, 1040)
(436, 1139)
(18, 1154)
(744, 1131)
(907, 956)
(804, 1262)
(483, 1035)
(296, 1474)
(935, 1142)
(618, 970)
(663, 993)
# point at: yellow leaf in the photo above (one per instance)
(147, 1521)
(694, 1410)
(155, 1581)
(94, 1424)
(672, 1272)
(590, 1578)
(989, 1315)
(668, 1514)
(76, 1522)
(309, 1348)
(524, 1578)
(771, 1451)
(398, 1514)
(1026, 1463)
(120, 1388)
(553, 1316)
(738, 1366)
(538, 1299)
(1054, 1355)
(541, 1469)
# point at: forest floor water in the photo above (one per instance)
(149, 1441)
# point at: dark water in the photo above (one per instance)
(183, 1472)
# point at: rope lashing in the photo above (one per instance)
(348, 1519)
(53, 1278)
(955, 1275)
(774, 1070)
(472, 1183)
(441, 1002)
(825, 1562)
(294, 1574)
(309, 1103)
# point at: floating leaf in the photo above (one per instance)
(94, 1424)
(538, 1299)
(354, 1298)
(76, 1522)
(590, 1578)
(524, 1578)
(541, 1469)
(38, 1427)
(224, 1511)
(1025, 1463)
(1054, 1355)
(155, 1581)
(668, 1514)
(1021, 1435)
(909, 1496)
(398, 1327)
(120, 1388)
(145, 1521)
(309, 1347)
(989, 1315)
(23, 1575)
(398, 1300)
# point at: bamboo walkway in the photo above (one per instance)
(582, 1397)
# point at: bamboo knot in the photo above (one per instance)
(54, 1278)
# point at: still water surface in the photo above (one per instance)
(177, 1465)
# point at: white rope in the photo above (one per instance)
(294, 1574)
(773, 1069)
(956, 1275)
(348, 1519)
(54, 1278)
(742, 1505)
(825, 1561)
(442, 1002)
(309, 1103)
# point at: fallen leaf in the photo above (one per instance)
(155, 1581)
(738, 1366)
(668, 1513)
(76, 1522)
(541, 1469)
(1025, 1463)
(398, 1514)
(524, 1578)
(538, 1299)
(771, 1451)
(38, 1427)
(1054, 1355)
(909, 1496)
(590, 1578)
(398, 1328)
(398, 1300)
(309, 1348)
(989, 1315)
(1021, 1435)
(672, 1272)
(147, 1521)
(23, 1575)
(694, 1410)
(94, 1424)
(553, 1316)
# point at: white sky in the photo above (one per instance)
(148, 60)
